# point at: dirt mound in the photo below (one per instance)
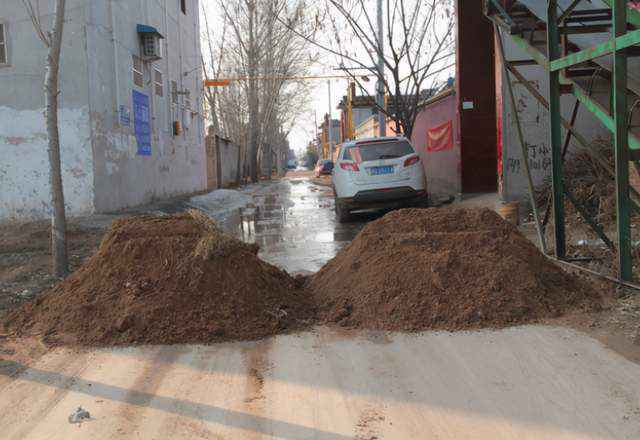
(165, 280)
(417, 269)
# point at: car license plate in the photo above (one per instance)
(374, 171)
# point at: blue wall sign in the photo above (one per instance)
(141, 122)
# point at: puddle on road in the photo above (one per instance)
(293, 223)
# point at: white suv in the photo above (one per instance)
(377, 173)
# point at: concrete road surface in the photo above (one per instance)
(531, 382)
(292, 220)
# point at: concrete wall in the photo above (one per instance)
(177, 164)
(442, 168)
(227, 156)
(24, 162)
(212, 160)
(535, 124)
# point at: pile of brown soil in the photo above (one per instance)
(417, 269)
(165, 280)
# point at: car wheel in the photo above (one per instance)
(342, 213)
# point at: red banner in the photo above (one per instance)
(440, 138)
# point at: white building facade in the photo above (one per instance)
(131, 123)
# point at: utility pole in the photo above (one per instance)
(382, 117)
(330, 124)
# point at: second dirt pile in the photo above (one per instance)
(417, 269)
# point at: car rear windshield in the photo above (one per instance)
(377, 151)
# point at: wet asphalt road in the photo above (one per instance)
(292, 220)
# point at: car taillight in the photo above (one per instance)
(411, 161)
(349, 166)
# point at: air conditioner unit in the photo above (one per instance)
(150, 44)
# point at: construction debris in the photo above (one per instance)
(590, 184)
(167, 280)
(444, 269)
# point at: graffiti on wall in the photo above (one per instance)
(539, 160)
(534, 123)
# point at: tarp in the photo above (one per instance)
(440, 138)
(141, 122)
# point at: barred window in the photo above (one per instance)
(138, 72)
(4, 57)
(157, 81)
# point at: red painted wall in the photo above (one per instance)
(442, 168)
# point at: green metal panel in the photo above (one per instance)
(623, 214)
(604, 116)
(617, 124)
(582, 141)
(557, 178)
(593, 106)
(605, 48)
(535, 53)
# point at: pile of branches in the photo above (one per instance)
(590, 184)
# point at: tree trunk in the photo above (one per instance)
(253, 131)
(252, 95)
(279, 161)
(239, 174)
(58, 220)
(269, 161)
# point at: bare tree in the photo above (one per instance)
(212, 68)
(419, 45)
(53, 41)
(259, 52)
(244, 18)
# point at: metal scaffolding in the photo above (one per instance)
(524, 22)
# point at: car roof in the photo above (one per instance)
(373, 139)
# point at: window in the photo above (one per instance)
(138, 74)
(377, 151)
(4, 57)
(183, 6)
(157, 82)
(174, 92)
